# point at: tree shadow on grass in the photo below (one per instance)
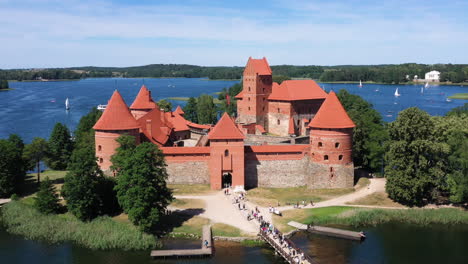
(174, 219)
(31, 186)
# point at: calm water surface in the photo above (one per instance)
(31, 109)
(388, 243)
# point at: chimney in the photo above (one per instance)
(148, 127)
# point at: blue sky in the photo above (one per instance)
(63, 33)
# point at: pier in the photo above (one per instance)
(329, 231)
(204, 251)
(4, 201)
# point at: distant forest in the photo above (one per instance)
(455, 73)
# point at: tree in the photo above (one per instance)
(280, 78)
(84, 133)
(60, 147)
(141, 182)
(165, 105)
(3, 84)
(19, 166)
(370, 133)
(36, 152)
(190, 110)
(415, 159)
(47, 199)
(8, 159)
(81, 186)
(206, 109)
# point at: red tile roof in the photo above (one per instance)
(259, 66)
(293, 90)
(332, 114)
(195, 125)
(161, 128)
(116, 116)
(225, 129)
(178, 122)
(143, 100)
(240, 95)
(260, 129)
(179, 110)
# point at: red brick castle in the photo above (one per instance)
(287, 135)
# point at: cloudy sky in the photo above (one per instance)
(65, 33)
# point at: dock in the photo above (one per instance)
(204, 251)
(4, 201)
(329, 231)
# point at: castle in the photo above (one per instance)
(288, 135)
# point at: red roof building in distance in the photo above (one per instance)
(179, 110)
(116, 116)
(225, 129)
(332, 114)
(143, 100)
(294, 90)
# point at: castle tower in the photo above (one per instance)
(331, 134)
(252, 104)
(226, 154)
(143, 103)
(114, 122)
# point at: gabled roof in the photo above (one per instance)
(143, 100)
(178, 122)
(240, 95)
(160, 127)
(259, 66)
(294, 90)
(179, 110)
(116, 116)
(332, 114)
(225, 129)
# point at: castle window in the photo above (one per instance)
(249, 99)
(226, 153)
(278, 110)
(263, 89)
(249, 88)
(249, 108)
(263, 108)
(278, 121)
(101, 160)
(320, 144)
(263, 99)
(325, 157)
(99, 148)
(337, 145)
(340, 157)
(331, 169)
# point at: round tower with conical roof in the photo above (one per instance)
(114, 122)
(143, 103)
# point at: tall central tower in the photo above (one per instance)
(252, 104)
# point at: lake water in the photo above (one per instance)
(31, 109)
(386, 244)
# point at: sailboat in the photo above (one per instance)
(67, 104)
(397, 93)
(422, 90)
(360, 83)
(426, 85)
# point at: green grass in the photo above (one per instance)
(190, 228)
(188, 203)
(101, 233)
(271, 196)
(220, 229)
(357, 217)
(463, 96)
(377, 199)
(252, 243)
(190, 189)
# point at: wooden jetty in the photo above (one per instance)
(329, 231)
(204, 251)
(4, 201)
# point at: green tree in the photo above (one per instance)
(8, 159)
(280, 78)
(60, 147)
(141, 182)
(415, 159)
(165, 105)
(190, 110)
(36, 152)
(3, 84)
(47, 199)
(84, 133)
(206, 109)
(82, 183)
(19, 166)
(370, 133)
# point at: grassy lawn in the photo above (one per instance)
(459, 96)
(190, 189)
(220, 229)
(193, 226)
(307, 216)
(53, 175)
(188, 203)
(362, 182)
(378, 199)
(284, 196)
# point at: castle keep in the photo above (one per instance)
(287, 135)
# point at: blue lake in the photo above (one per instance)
(31, 109)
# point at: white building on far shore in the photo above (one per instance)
(432, 76)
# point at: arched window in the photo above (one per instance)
(226, 153)
(340, 157)
(99, 148)
(320, 144)
(278, 122)
(325, 157)
(337, 145)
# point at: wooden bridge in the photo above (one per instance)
(329, 231)
(204, 251)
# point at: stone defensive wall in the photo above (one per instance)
(187, 165)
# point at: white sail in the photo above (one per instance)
(67, 104)
(360, 83)
(426, 85)
(422, 90)
(396, 92)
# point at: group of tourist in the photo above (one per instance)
(275, 211)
